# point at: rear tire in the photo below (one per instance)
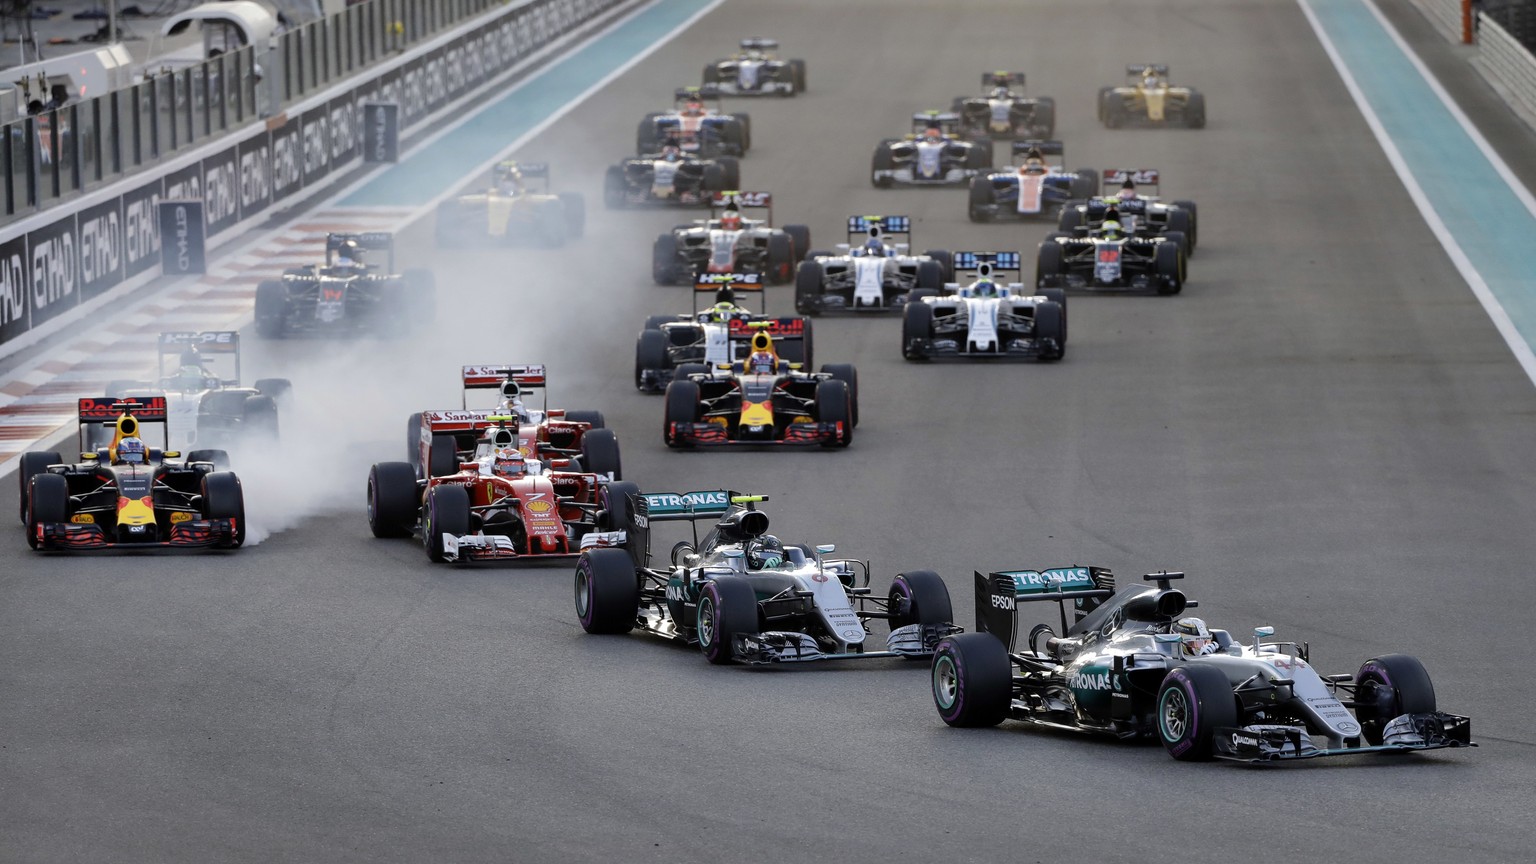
(591, 418)
(1194, 111)
(919, 597)
(1047, 261)
(972, 680)
(664, 263)
(447, 512)
(781, 257)
(930, 275)
(881, 161)
(833, 405)
(801, 234)
(271, 309)
(442, 456)
(981, 198)
(607, 591)
(393, 507)
(615, 188)
(219, 458)
(1388, 687)
(600, 453)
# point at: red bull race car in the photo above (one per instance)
(684, 344)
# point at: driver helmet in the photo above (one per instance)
(1128, 190)
(350, 255)
(766, 554)
(693, 108)
(730, 220)
(874, 247)
(1151, 79)
(1000, 92)
(1111, 229)
(762, 362)
(984, 288)
(507, 461)
(1194, 637)
(671, 150)
(934, 131)
(511, 182)
(130, 451)
(190, 375)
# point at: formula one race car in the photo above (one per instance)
(509, 211)
(127, 494)
(497, 506)
(722, 333)
(869, 276)
(1110, 259)
(203, 408)
(933, 155)
(438, 442)
(698, 124)
(728, 243)
(1148, 98)
(986, 318)
(743, 596)
(763, 400)
(755, 71)
(346, 295)
(1132, 666)
(1031, 189)
(1004, 112)
(669, 178)
(1142, 215)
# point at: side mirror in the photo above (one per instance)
(88, 457)
(826, 548)
(1261, 632)
(171, 454)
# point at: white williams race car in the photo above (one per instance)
(986, 318)
(873, 276)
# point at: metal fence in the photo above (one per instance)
(53, 155)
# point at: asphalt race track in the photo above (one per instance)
(1324, 430)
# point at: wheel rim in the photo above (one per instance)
(1175, 715)
(584, 597)
(373, 507)
(946, 682)
(706, 621)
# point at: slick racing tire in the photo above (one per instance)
(280, 389)
(413, 442)
(664, 264)
(655, 322)
(1070, 219)
(650, 353)
(607, 591)
(1114, 111)
(846, 373)
(575, 214)
(1045, 117)
(1193, 702)
(715, 178)
(979, 156)
(981, 198)
(808, 282)
(972, 680)
(686, 369)
(446, 512)
(833, 405)
(801, 234)
(746, 135)
(797, 72)
(881, 161)
(930, 275)
(614, 187)
(800, 351)
(1194, 111)
(1047, 261)
(218, 458)
(781, 258)
(919, 597)
(442, 456)
(1194, 222)
(1182, 222)
(392, 503)
(682, 406)
(615, 513)
(271, 309)
(727, 607)
(223, 498)
(646, 140)
(259, 418)
(32, 465)
(1170, 266)
(712, 74)
(1085, 183)
(600, 453)
(49, 497)
(1388, 687)
(1050, 323)
(946, 260)
(589, 417)
(1058, 296)
(730, 168)
(916, 329)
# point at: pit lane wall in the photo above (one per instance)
(59, 265)
(1507, 65)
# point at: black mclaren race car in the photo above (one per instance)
(1034, 187)
(669, 178)
(1005, 112)
(698, 124)
(1140, 214)
(743, 596)
(672, 345)
(755, 71)
(1111, 260)
(347, 294)
(1133, 666)
(933, 155)
(127, 495)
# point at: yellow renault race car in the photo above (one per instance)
(1148, 99)
(512, 211)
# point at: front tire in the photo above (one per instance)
(1192, 703)
(972, 680)
(224, 498)
(808, 281)
(916, 329)
(447, 512)
(682, 407)
(1388, 687)
(727, 607)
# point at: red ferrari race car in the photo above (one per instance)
(499, 505)
(437, 442)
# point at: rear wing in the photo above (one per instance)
(879, 226)
(973, 262)
(652, 507)
(451, 420)
(706, 93)
(948, 121)
(1112, 178)
(759, 43)
(526, 170)
(1136, 70)
(999, 594)
(725, 200)
(365, 240)
(207, 342)
(1046, 147)
(740, 283)
(1001, 78)
(791, 329)
(128, 415)
(527, 377)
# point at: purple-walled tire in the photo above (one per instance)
(1387, 687)
(607, 591)
(727, 606)
(1193, 702)
(972, 680)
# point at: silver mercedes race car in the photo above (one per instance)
(874, 275)
(985, 317)
(755, 71)
(933, 155)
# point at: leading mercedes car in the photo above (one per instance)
(1130, 666)
(743, 596)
